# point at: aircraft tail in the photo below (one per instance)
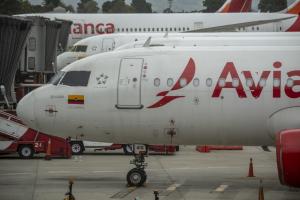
(294, 8)
(231, 6)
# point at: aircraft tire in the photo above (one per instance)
(25, 151)
(77, 147)
(136, 177)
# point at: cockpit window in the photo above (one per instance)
(79, 48)
(76, 78)
(56, 78)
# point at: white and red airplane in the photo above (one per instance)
(86, 25)
(222, 95)
(103, 43)
(233, 6)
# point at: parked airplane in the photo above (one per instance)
(223, 95)
(103, 43)
(86, 25)
(215, 41)
(231, 6)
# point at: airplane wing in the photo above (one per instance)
(233, 27)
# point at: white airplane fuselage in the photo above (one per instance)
(186, 95)
(86, 25)
(103, 43)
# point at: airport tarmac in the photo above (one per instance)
(188, 175)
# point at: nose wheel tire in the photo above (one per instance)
(136, 177)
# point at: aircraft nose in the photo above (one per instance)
(25, 110)
(64, 59)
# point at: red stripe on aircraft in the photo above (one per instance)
(187, 74)
(164, 101)
(296, 26)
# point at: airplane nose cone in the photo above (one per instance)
(25, 110)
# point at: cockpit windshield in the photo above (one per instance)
(79, 48)
(76, 78)
(56, 78)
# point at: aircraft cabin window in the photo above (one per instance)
(289, 82)
(131, 29)
(276, 82)
(76, 78)
(179, 29)
(56, 78)
(118, 30)
(249, 82)
(235, 82)
(196, 82)
(188, 28)
(144, 29)
(157, 29)
(166, 29)
(140, 30)
(175, 29)
(153, 29)
(222, 82)
(135, 29)
(209, 82)
(170, 29)
(262, 82)
(183, 29)
(257, 28)
(126, 29)
(161, 29)
(156, 82)
(182, 82)
(170, 82)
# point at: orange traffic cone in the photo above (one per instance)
(261, 195)
(48, 152)
(251, 171)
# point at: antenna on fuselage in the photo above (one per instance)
(147, 43)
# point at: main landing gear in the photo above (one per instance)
(137, 176)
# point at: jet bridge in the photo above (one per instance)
(39, 54)
(46, 40)
(13, 34)
(28, 50)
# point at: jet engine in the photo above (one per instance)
(288, 157)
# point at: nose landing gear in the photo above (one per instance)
(137, 176)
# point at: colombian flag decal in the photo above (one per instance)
(76, 99)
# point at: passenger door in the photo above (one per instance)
(108, 44)
(129, 84)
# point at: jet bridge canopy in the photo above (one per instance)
(13, 34)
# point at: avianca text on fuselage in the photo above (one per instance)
(91, 28)
(256, 89)
(236, 84)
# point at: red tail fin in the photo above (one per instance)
(294, 8)
(231, 6)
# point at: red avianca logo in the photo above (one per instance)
(188, 75)
(230, 72)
